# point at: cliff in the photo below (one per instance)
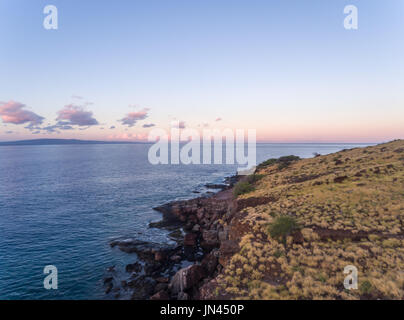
(303, 221)
(288, 232)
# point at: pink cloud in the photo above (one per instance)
(132, 117)
(76, 115)
(128, 136)
(13, 112)
(218, 119)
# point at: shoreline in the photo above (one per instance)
(178, 271)
(294, 218)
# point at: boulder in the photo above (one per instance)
(133, 267)
(159, 256)
(175, 258)
(144, 287)
(190, 239)
(209, 263)
(186, 278)
(210, 238)
(161, 287)
(161, 295)
(226, 251)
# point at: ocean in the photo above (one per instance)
(61, 205)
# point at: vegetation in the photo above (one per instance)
(247, 185)
(282, 227)
(358, 220)
(282, 162)
(242, 187)
(365, 287)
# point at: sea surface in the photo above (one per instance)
(61, 205)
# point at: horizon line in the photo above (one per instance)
(149, 142)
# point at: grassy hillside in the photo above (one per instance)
(321, 214)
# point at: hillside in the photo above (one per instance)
(298, 223)
(286, 232)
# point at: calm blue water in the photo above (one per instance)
(61, 205)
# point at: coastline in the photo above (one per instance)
(294, 222)
(178, 271)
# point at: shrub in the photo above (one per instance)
(278, 253)
(282, 162)
(267, 163)
(254, 178)
(286, 161)
(365, 287)
(242, 187)
(246, 186)
(282, 227)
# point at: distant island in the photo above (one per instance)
(46, 142)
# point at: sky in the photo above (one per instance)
(114, 70)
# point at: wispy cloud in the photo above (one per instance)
(148, 125)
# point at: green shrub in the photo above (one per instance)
(286, 161)
(242, 187)
(267, 163)
(282, 162)
(282, 227)
(365, 287)
(246, 186)
(254, 178)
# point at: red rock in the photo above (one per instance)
(209, 262)
(190, 239)
(159, 256)
(226, 251)
(210, 238)
(161, 295)
(162, 280)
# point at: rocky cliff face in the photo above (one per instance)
(291, 234)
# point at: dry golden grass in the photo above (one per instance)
(350, 206)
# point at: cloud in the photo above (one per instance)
(132, 117)
(61, 125)
(128, 136)
(9, 132)
(148, 125)
(218, 119)
(14, 112)
(72, 115)
(77, 97)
